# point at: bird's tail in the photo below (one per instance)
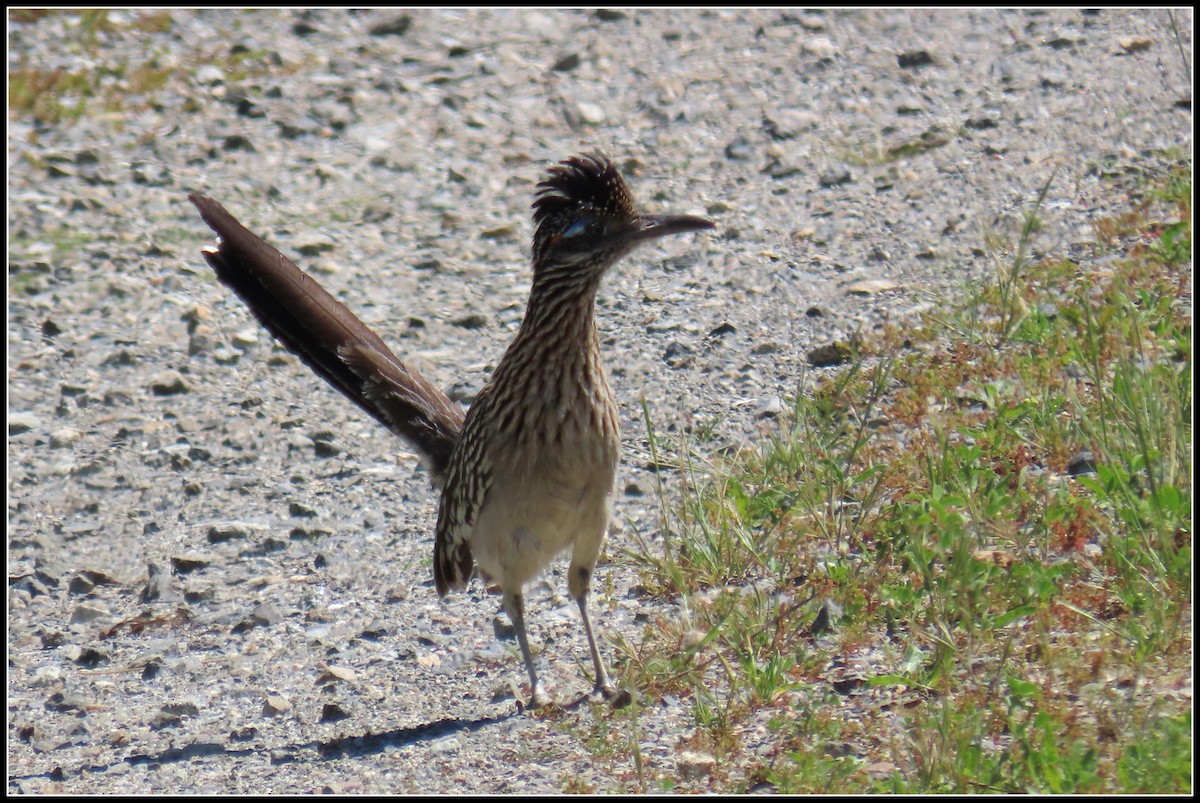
(339, 347)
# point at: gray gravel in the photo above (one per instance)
(220, 570)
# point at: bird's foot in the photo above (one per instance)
(538, 699)
(617, 698)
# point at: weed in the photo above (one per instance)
(1010, 494)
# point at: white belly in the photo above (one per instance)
(525, 532)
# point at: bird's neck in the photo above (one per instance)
(562, 307)
(558, 331)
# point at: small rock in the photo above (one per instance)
(163, 720)
(227, 531)
(266, 614)
(445, 744)
(276, 704)
(46, 676)
(91, 657)
(80, 584)
(722, 330)
(694, 766)
(811, 22)
(316, 248)
(52, 638)
(210, 74)
(182, 564)
(789, 123)
(678, 354)
(1064, 41)
(567, 63)
(777, 168)
(1135, 44)
(393, 27)
(913, 59)
(589, 113)
(332, 712)
(22, 422)
(1082, 463)
(820, 46)
(828, 355)
(50, 744)
(337, 673)
(244, 338)
(1053, 79)
(64, 437)
(237, 142)
(88, 612)
(30, 585)
(982, 122)
(504, 231)
(834, 177)
(827, 618)
(739, 150)
(182, 708)
(869, 287)
(248, 108)
(502, 628)
(152, 668)
(158, 583)
(472, 321)
(168, 383)
(66, 701)
(771, 408)
(301, 511)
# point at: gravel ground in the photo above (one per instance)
(220, 570)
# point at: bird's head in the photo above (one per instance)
(586, 218)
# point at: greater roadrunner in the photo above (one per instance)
(530, 469)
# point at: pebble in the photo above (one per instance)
(870, 287)
(46, 676)
(86, 612)
(397, 26)
(692, 766)
(19, 422)
(63, 437)
(829, 355)
(168, 383)
(276, 704)
(590, 113)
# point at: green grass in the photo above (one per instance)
(55, 95)
(1016, 628)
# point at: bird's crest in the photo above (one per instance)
(580, 185)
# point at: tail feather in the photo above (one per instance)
(331, 340)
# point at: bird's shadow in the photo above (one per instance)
(341, 747)
(355, 746)
(371, 743)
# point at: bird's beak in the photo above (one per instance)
(651, 227)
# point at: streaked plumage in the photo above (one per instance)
(529, 472)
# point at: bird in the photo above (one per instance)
(529, 470)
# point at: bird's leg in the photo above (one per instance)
(514, 604)
(603, 684)
(579, 583)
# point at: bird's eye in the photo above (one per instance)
(585, 225)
